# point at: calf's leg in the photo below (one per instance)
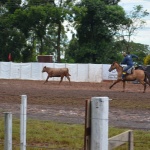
(61, 79)
(46, 79)
(68, 78)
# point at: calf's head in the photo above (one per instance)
(44, 69)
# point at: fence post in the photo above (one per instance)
(87, 125)
(130, 141)
(99, 123)
(8, 131)
(23, 118)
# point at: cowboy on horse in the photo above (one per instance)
(128, 61)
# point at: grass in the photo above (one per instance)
(137, 104)
(43, 135)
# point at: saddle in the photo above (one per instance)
(130, 70)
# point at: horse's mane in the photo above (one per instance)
(117, 63)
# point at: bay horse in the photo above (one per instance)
(139, 75)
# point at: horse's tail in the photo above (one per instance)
(147, 77)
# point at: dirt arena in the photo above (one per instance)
(66, 103)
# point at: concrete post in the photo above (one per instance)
(23, 120)
(99, 123)
(8, 131)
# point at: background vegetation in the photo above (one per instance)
(39, 27)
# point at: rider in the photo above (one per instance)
(128, 61)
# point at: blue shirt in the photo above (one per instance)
(128, 59)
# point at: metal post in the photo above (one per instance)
(8, 131)
(99, 123)
(23, 118)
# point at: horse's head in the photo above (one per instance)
(113, 66)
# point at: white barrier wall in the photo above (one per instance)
(79, 72)
(108, 75)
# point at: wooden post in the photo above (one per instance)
(130, 141)
(87, 130)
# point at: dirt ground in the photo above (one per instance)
(66, 103)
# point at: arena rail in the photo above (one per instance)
(79, 72)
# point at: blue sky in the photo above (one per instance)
(143, 35)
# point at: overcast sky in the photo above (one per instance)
(143, 35)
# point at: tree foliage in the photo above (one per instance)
(39, 27)
(95, 30)
(147, 60)
(134, 21)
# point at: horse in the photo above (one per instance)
(139, 75)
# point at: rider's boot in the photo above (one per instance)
(123, 75)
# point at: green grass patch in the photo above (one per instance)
(43, 135)
(139, 104)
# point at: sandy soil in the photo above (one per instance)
(66, 103)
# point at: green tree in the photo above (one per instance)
(40, 25)
(147, 60)
(133, 22)
(11, 39)
(96, 26)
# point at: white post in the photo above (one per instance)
(8, 131)
(23, 118)
(99, 123)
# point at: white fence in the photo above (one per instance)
(79, 72)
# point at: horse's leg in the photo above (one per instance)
(144, 84)
(147, 81)
(115, 83)
(147, 78)
(144, 87)
(124, 83)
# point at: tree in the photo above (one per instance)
(39, 23)
(147, 60)
(11, 39)
(133, 22)
(64, 13)
(96, 26)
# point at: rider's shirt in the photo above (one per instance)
(128, 60)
